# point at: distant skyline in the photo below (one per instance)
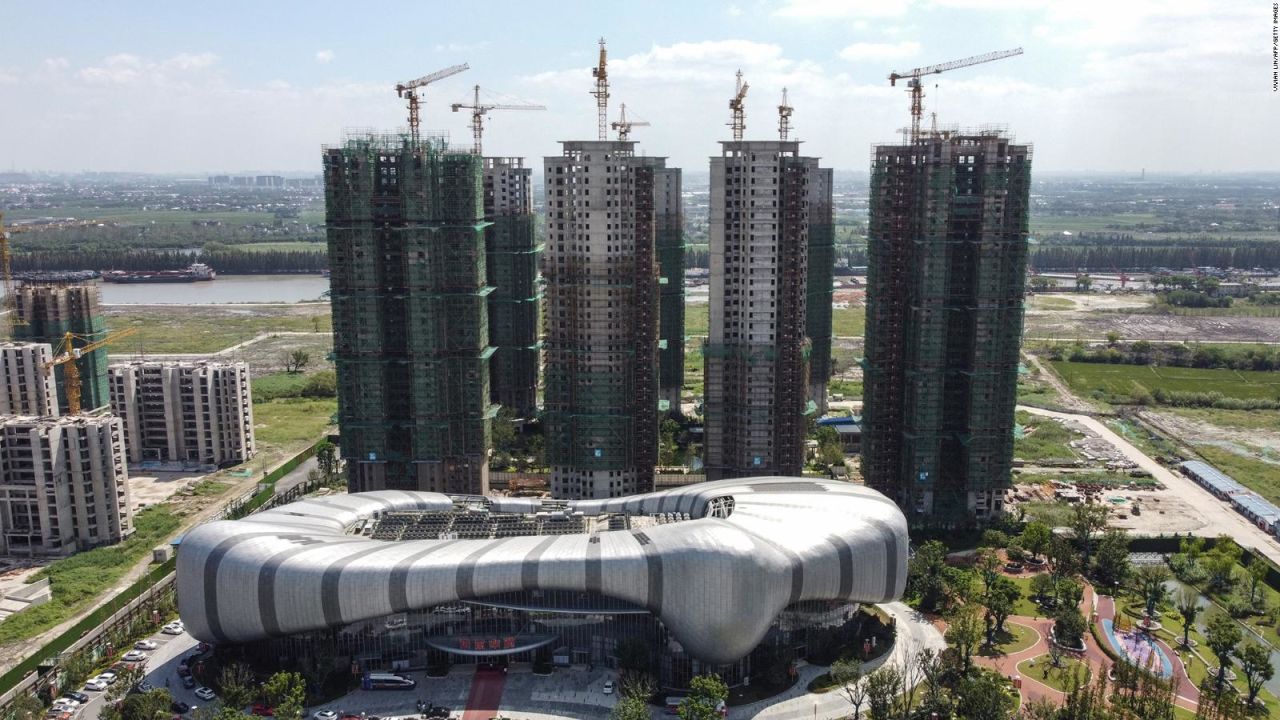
(235, 86)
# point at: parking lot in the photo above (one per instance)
(161, 672)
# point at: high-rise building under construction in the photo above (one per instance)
(668, 234)
(821, 274)
(600, 413)
(410, 316)
(945, 282)
(757, 352)
(46, 312)
(511, 263)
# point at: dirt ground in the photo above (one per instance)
(1067, 325)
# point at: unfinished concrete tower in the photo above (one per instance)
(405, 222)
(46, 313)
(63, 484)
(512, 255)
(945, 281)
(187, 412)
(668, 232)
(25, 387)
(757, 352)
(601, 323)
(822, 261)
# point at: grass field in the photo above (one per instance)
(292, 420)
(1058, 678)
(1044, 439)
(845, 322)
(134, 215)
(1130, 380)
(696, 318)
(187, 329)
(1051, 224)
(1048, 302)
(1242, 419)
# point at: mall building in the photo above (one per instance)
(706, 578)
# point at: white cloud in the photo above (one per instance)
(840, 9)
(462, 47)
(880, 51)
(128, 69)
(733, 10)
(324, 56)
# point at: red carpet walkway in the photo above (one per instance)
(486, 693)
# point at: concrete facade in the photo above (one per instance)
(757, 350)
(46, 313)
(601, 321)
(199, 412)
(63, 484)
(25, 387)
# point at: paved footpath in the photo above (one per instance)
(486, 694)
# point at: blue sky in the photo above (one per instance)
(1111, 85)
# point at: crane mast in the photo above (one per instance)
(409, 90)
(916, 89)
(601, 74)
(738, 109)
(67, 355)
(623, 125)
(784, 117)
(479, 110)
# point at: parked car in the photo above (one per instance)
(146, 645)
(188, 682)
(183, 670)
(179, 707)
(77, 696)
(95, 685)
(173, 628)
(205, 693)
(134, 656)
(144, 687)
(608, 687)
(324, 715)
(262, 710)
(107, 676)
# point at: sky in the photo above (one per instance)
(232, 86)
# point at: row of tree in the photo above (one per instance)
(227, 261)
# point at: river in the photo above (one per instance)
(225, 289)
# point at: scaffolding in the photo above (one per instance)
(410, 313)
(513, 255)
(46, 313)
(821, 271)
(948, 229)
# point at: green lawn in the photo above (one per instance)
(184, 329)
(1049, 302)
(697, 318)
(850, 389)
(1086, 378)
(276, 385)
(1015, 638)
(1044, 439)
(77, 580)
(1058, 678)
(1024, 606)
(292, 420)
(849, 322)
(1051, 513)
(1261, 477)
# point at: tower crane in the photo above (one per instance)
(479, 110)
(623, 125)
(66, 354)
(410, 90)
(8, 313)
(601, 74)
(739, 122)
(784, 117)
(916, 90)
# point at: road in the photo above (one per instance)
(1220, 517)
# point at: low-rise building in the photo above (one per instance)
(63, 484)
(198, 412)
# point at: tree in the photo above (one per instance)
(1255, 665)
(1064, 560)
(1069, 626)
(1113, 338)
(1112, 568)
(884, 686)
(1188, 607)
(1220, 563)
(25, 707)
(964, 632)
(706, 693)
(1257, 572)
(1042, 586)
(926, 575)
(1151, 581)
(327, 460)
(982, 696)
(630, 708)
(295, 360)
(287, 693)
(992, 538)
(1222, 636)
(236, 685)
(126, 678)
(1086, 520)
(933, 678)
(999, 601)
(146, 706)
(1035, 537)
(848, 675)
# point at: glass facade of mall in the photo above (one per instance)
(559, 628)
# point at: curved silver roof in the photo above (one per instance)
(717, 583)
